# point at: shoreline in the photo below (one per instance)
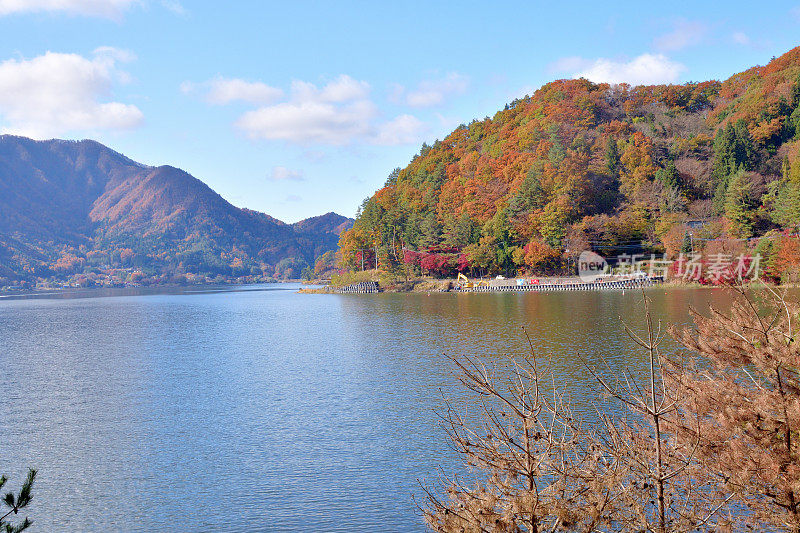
(449, 285)
(188, 288)
(411, 286)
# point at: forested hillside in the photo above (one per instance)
(81, 211)
(580, 165)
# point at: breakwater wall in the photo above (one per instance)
(365, 287)
(547, 286)
(520, 285)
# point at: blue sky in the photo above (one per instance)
(297, 109)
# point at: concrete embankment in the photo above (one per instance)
(492, 285)
(559, 284)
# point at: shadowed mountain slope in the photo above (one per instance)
(66, 206)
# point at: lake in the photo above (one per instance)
(260, 409)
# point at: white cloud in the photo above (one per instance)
(113, 9)
(405, 129)
(98, 8)
(646, 69)
(337, 113)
(285, 174)
(309, 121)
(684, 34)
(57, 93)
(221, 91)
(224, 91)
(742, 38)
(430, 92)
(342, 89)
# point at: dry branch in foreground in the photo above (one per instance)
(694, 447)
(744, 391)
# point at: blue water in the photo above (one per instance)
(263, 409)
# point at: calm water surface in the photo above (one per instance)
(263, 409)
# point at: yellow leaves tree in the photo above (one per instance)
(553, 219)
(351, 244)
(638, 166)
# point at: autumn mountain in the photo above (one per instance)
(67, 206)
(582, 165)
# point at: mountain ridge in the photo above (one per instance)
(580, 165)
(67, 207)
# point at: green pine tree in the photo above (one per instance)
(15, 503)
(668, 175)
(612, 158)
(733, 152)
(686, 245)
(530, 195)
(738, 204)
(460, 232)
(786, 206)
(431, 231)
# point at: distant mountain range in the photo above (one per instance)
(72, 208)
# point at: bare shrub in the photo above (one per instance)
(542, 469)
(744, 392)
(537, 467)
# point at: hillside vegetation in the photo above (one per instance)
(80, 211)
(616, 168)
